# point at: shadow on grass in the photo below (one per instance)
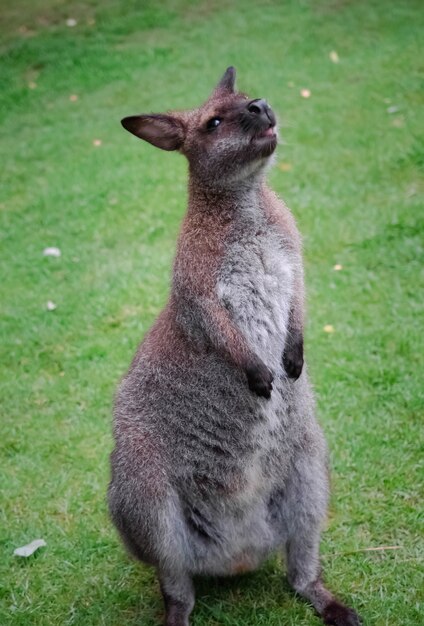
(131, 595)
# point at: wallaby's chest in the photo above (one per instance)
(255, 284)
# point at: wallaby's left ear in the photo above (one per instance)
(163, 131)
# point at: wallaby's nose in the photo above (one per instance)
(262, 109)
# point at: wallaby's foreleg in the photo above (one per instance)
(197, 293)
(283, 220)
(228, 340)
(178, 595)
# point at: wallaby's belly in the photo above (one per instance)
(233, 541)
(255, 284)
(237, 521)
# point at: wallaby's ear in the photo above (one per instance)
(227, 82)
(163, 131)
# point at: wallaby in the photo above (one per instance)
(219, 461)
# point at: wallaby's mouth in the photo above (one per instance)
(269, 132)
(265, 141)
(266, 135)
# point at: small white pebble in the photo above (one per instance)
(305, 93)
(334, 56)
(50, 306)
(30, 548)
(338, 267)
(71, 22)
(52, 251)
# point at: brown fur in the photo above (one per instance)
(219, 460)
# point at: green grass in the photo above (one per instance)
(355, 186)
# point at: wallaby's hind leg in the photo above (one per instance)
(178, 594)
(147, 514)
(306, 497)
(304, 575)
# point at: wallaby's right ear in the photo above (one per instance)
(163, 131)
(227, 82)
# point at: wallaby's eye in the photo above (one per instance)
(213, 123)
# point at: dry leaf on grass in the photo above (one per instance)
(398, 122)
(285, 167)
(30, 548)
(372, 549)
(328, 328)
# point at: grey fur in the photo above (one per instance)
(207, 477)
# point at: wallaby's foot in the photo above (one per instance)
(337, 614)
(260, 379)
(333, 612)
(176, 615)
(293, 356)
(178, 596)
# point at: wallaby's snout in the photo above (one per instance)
(260, 114)
(258, 120)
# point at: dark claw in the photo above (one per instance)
(293, 368)
(260, 380)
(293, 357)
(337, 614)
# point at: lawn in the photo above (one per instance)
(350, 166)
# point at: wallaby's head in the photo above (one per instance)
(229, 138)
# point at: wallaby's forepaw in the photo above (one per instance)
(293, 358)
(260, 380)
(293, 365)
(337, 614)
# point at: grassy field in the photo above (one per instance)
(350, 167)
